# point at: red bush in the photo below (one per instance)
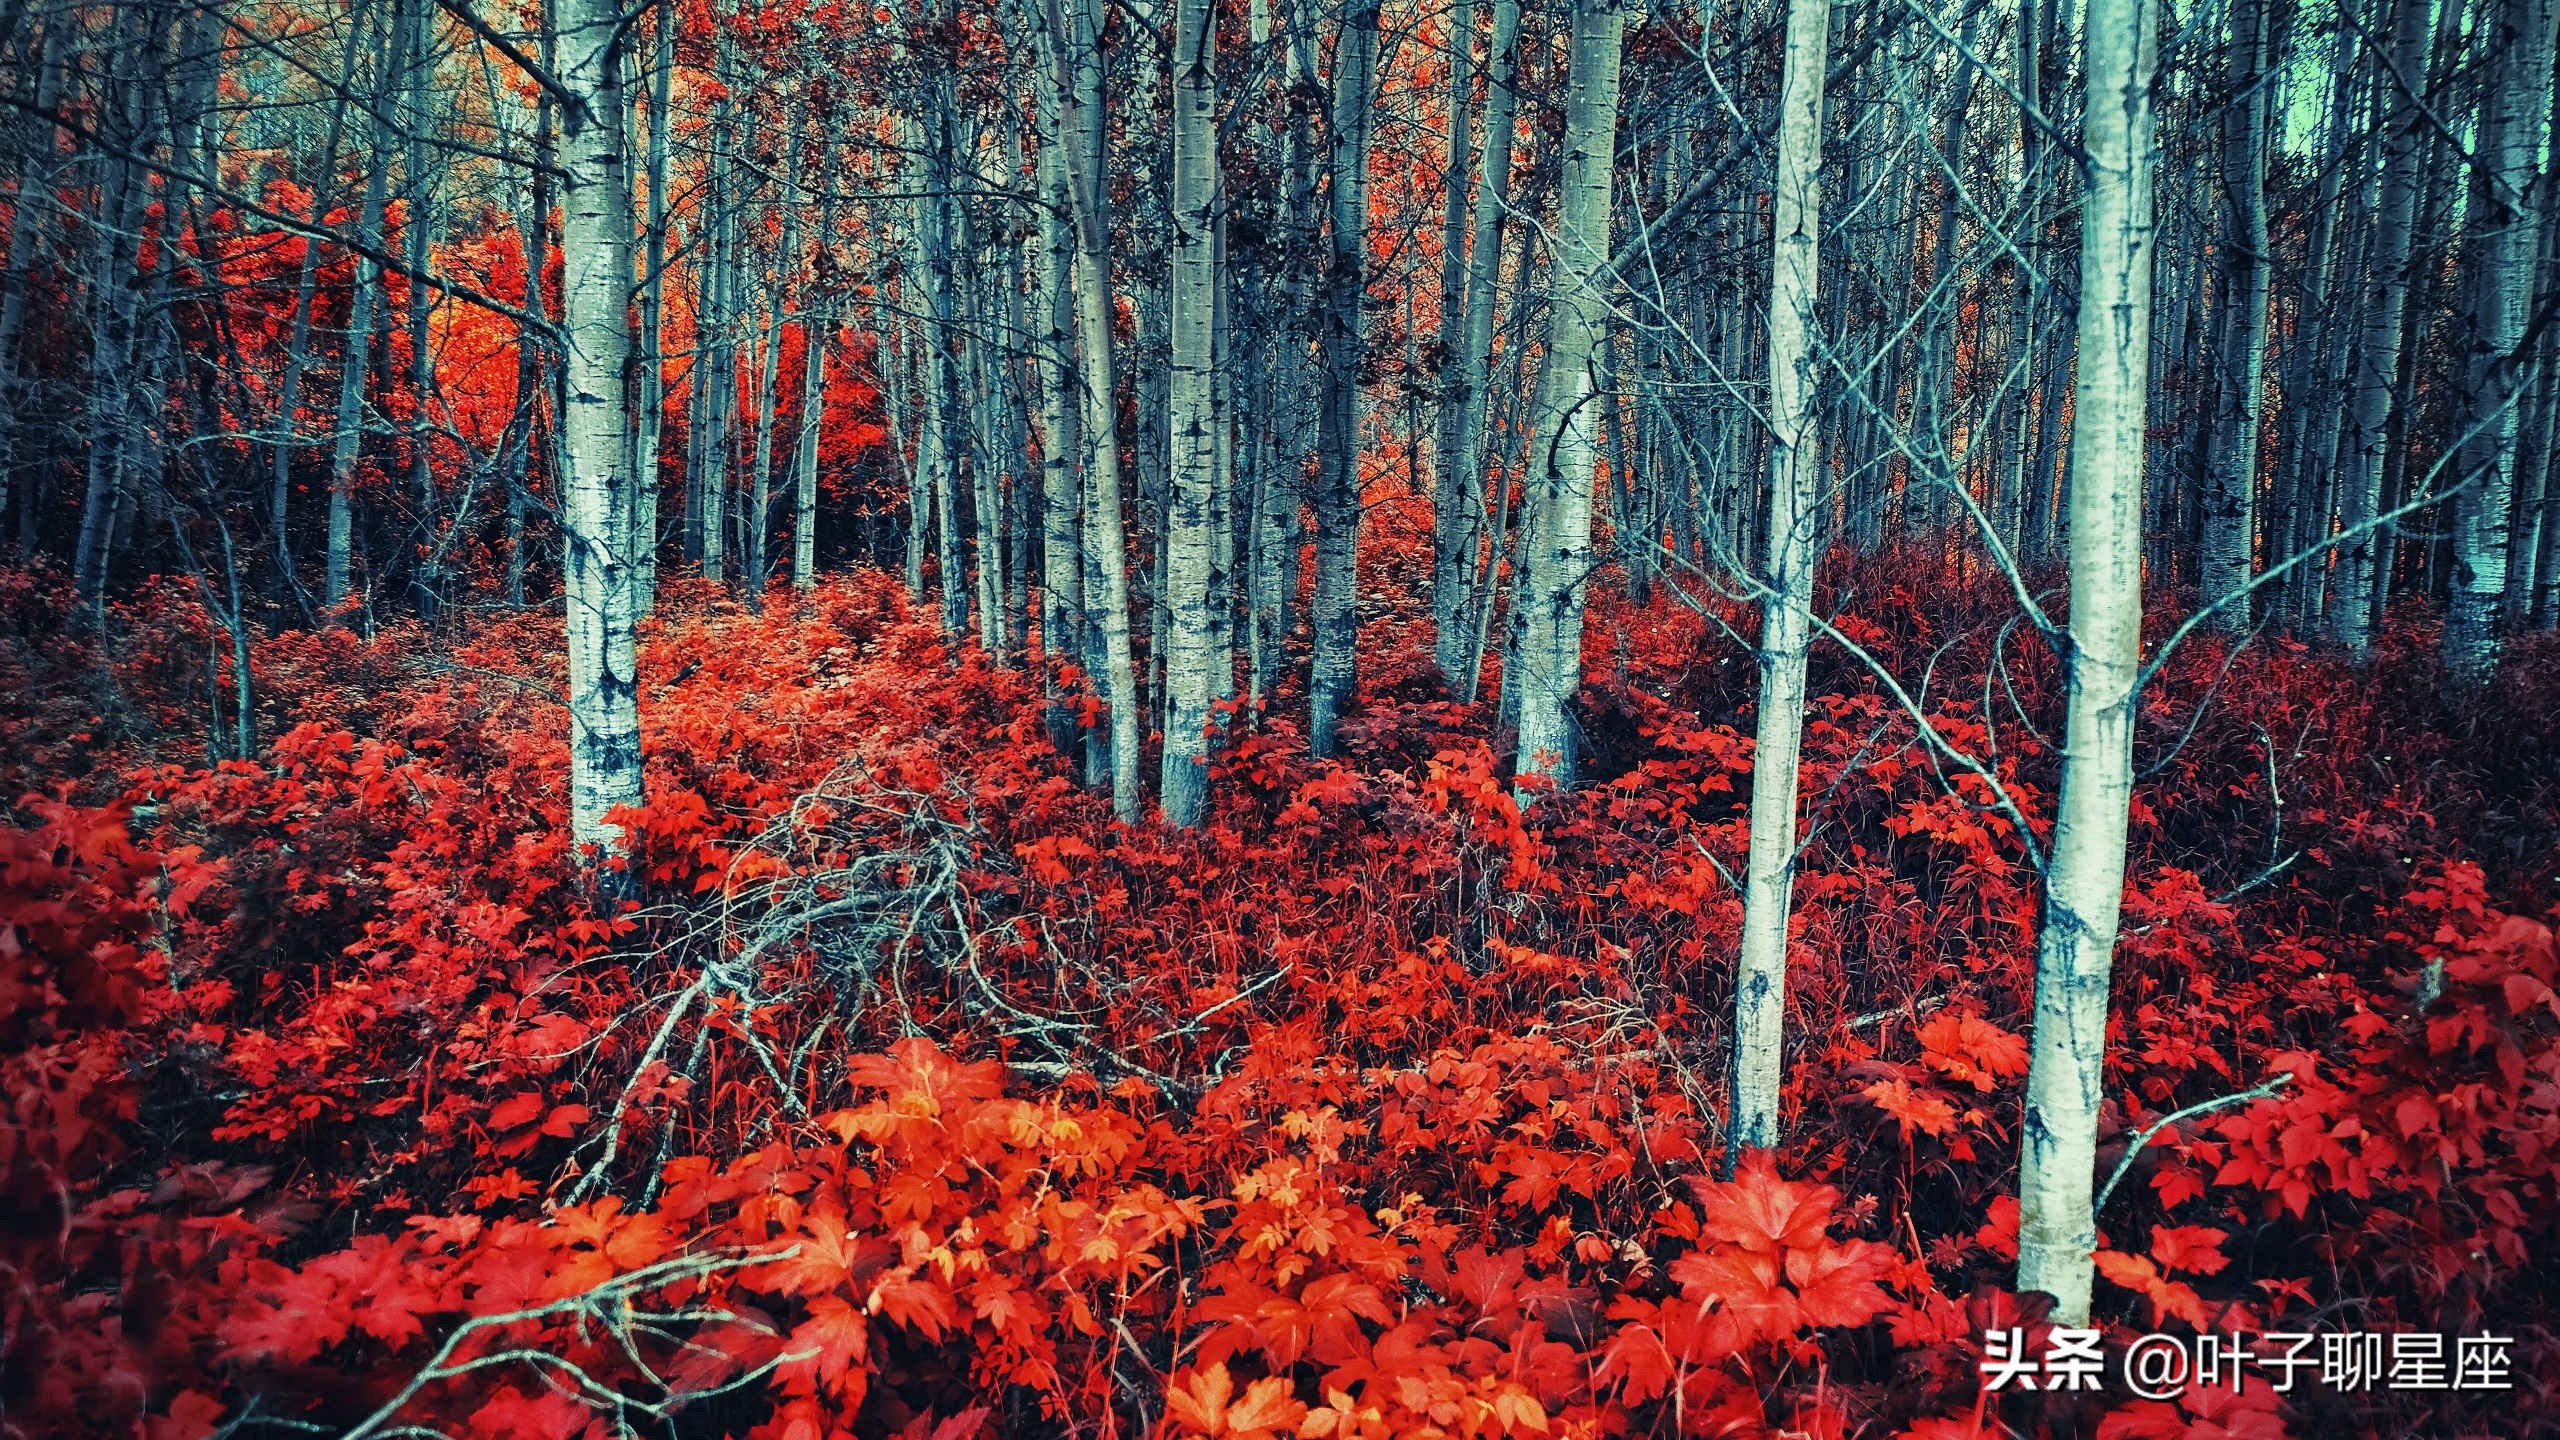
(910, 1094)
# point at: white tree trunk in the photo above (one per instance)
(818, 322)
(355, 358)
(1455, 495)
(1563, 419)
(935, 384)
(1795, 463)
(2084, 880)
(716, 381)
(817, 330)
(2505, 234)
(2382, 305)
(1077, 56)
(533, 367)
(972, 369)
(2228, 544)
(1062, 521)
(757, 562)
(1459, 646)
(1932, 507)
(1334, 665)
(653, 309)
(1192, 424)
(597, 550)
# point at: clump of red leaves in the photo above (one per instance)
(909, 1094)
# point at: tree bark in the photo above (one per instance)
(1077, 59)
(2383, 307)
(2084, 877)
(1192, 425)
(786, 265)
(2505, 233)
(653, 306)
(355, 359)
(817, 329)
(1455, 496)
(1061, 528)
(1795, 463)
(35, 177)
(1564, 419)
(597, 551)
(1465, 391)
(1333, 669)
(2228, 543)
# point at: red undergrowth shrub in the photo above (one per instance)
(906, 1093)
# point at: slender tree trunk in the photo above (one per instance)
(817, 330)
(2546, 570)
(991, 459)
(1456, 498)
(115, 347)
(297, 355)
(2383, 303)
(1191, 422)
(1563, 422)
(1078, 59)
(895, 381)
(1464, 391)
(2436, 213)
(2534, 495)
(2229, 540)
(646, 470)
(1061, 530)
(1935, 505)
(532, 374)
(2317, 361)
(714, 342)
(1795, 465)
(2084, 878)
(26, 213)
(769, 370)
(1333, 669)
(2506, 234)
(597, 549)
(418, 183)
(1226, 536)
(356, 361)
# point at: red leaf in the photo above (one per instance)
(2192, 1249)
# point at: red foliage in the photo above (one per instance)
(912, 1095)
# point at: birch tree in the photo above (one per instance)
(2227, 546)
(2506, 234)
(817, 332)
(2084, 879)
(2383, 304)
(1454, 500)
(1062, 560)
(1193, 427)
(786, 262)
(1334, 663)
(1795, 463)
(38, 141)
(653, 300)
(1076, 66)
(1465, 387)
(1564, 418)
(354, 359)
(600, 576)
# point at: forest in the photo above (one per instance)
(786, 719)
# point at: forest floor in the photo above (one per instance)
(907, 1093)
